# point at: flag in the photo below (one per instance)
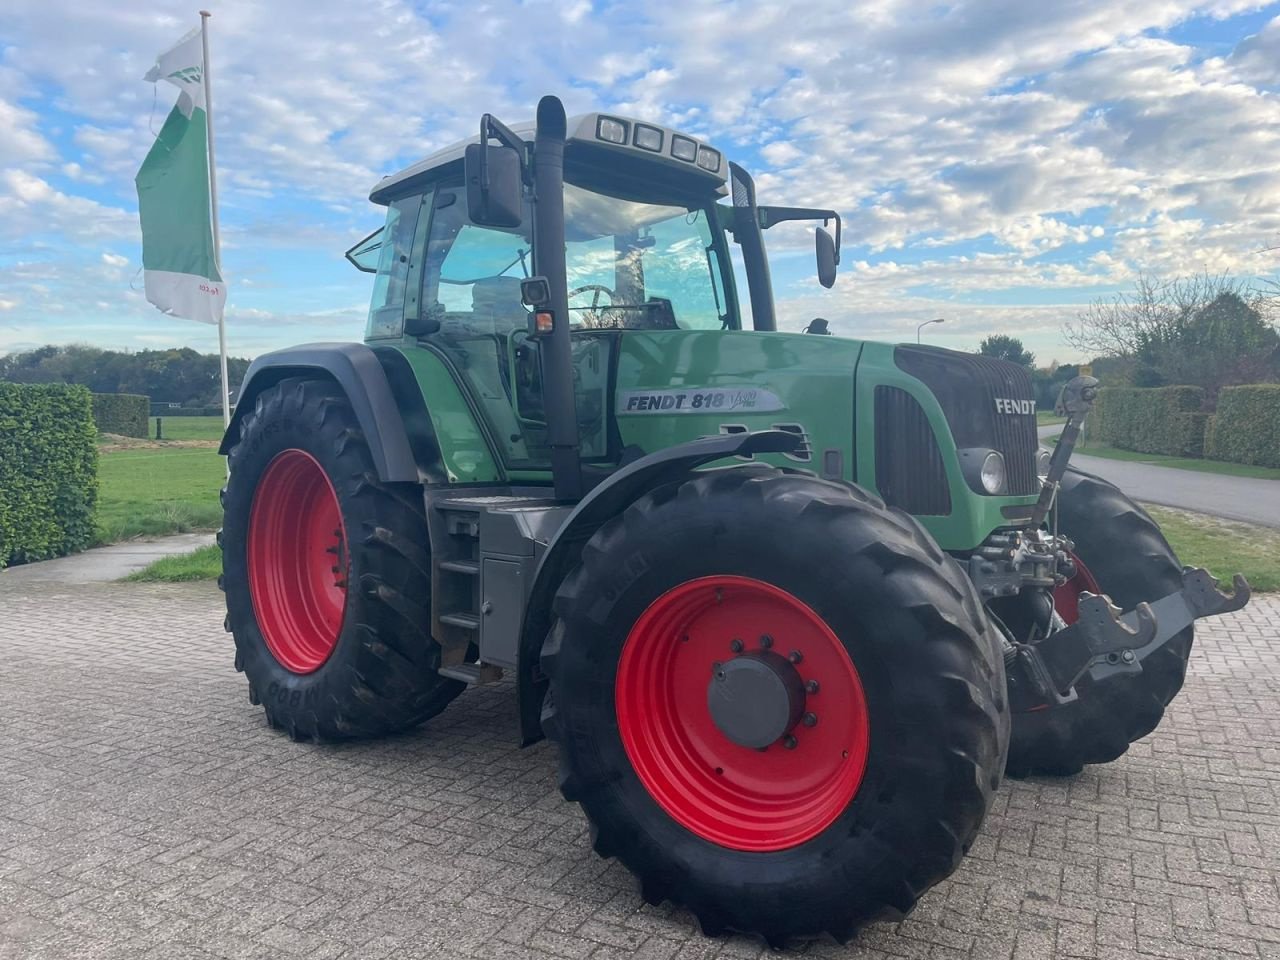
(179, 261)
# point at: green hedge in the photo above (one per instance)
(1246, 428)
(48, 471)
(1164, 420)
(121, 413)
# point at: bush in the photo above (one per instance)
(121, 413)
(1164, 420)
(1246, 428)
(48, 471)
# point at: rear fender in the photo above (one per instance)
(607, 500)
(358, 370)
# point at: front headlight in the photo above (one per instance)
(1043, 456)
(993, 475)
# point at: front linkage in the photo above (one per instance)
(1103, 642)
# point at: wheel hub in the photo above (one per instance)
(755, 698)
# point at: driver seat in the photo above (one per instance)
(495, 302)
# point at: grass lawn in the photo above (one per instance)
(156, 490)
(189, 428)
(1095, 449)
(202, 564)
(1046, 418)
(1223, 547)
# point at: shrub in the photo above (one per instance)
(48, 471)
(122, 413)
(1246, 428)
(1151, 420)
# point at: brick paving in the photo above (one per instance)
(147, 811)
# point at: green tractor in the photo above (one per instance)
(789, 605)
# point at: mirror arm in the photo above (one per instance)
(771, 216)
(491, 128)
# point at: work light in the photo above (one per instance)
(682, 148)
(648, 138)
(611, 131)
(709, 159)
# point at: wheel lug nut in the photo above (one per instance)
(789, 742)
(811, 686)
(810, 719)
(795, 656)
(735, 645)
(766, 641)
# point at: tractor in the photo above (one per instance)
(789, 605)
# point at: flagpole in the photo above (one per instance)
(213, 201)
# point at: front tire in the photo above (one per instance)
(1123, 554)
(898, 669)
(327, 574)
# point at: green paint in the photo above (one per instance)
(972, 516)
(463, 446)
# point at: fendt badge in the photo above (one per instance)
(1005, 405)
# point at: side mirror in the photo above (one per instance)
(494, 196)
(826, 250)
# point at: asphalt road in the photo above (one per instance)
(1236, 498)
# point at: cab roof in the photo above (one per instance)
(674, 150)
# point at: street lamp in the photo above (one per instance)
(925, 324)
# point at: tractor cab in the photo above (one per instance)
(646, 248)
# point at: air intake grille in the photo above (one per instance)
(909, 470)
(988, 403)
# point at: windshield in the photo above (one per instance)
(630, 266)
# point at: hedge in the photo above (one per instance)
(1246, 428)
(48, 471)
(164, 410)
(121, 413)
(1164, 420)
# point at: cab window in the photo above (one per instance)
(393, 250)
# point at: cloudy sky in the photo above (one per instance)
(998, 164)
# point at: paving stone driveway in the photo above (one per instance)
(146, 811)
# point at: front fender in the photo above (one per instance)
(605, 501)
(355, 368)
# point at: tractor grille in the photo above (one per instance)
(909, 470)
(988, 403)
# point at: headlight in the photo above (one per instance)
(993, 477)
(648, 138)
(709, 159)
(1043, 456)
(611, 130)
(682, 148)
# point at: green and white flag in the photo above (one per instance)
(179, 261)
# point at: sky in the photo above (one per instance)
(997, 164)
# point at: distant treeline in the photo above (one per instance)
(166, 376)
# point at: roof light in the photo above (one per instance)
(611, 131)
(709, 159)
(648, 138)
(682, 148)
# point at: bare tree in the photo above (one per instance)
(1154, 311)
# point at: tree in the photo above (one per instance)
(1007, 348)
(1223, 343)
(1154, 310)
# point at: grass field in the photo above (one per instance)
(189, 428)
(1046, 418)
(202, 564)
(1223, 547)
(156, 490)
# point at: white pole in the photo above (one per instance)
(213, 200)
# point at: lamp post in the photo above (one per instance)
(925, 324)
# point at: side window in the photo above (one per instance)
(681, 267)
(386, 308)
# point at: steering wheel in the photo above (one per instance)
(592, 311)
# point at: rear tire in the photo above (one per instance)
(1128, 557)
(822, 559)
(335, 658)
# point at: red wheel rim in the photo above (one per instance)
(1066, 596)
(297, 561)
(735, 796)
